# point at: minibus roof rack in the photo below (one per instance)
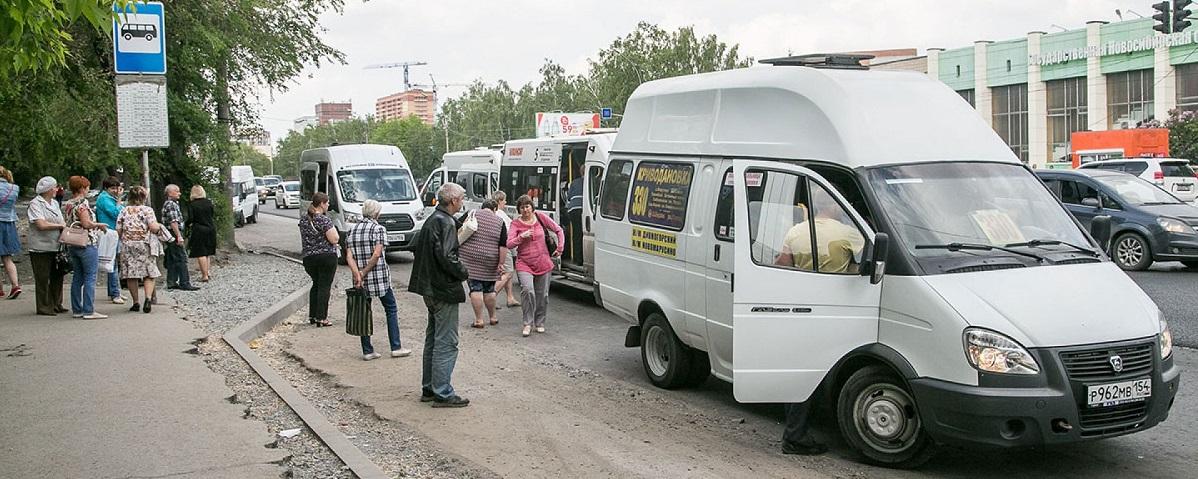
(838, 61)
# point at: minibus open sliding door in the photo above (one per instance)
(792, 323)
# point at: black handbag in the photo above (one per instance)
(550, 236)
(358, 318)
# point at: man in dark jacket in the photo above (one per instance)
(437, 275)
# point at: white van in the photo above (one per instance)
(475, 170)
(244, 195)
(863, 239)
(543, 169)
(352, 174)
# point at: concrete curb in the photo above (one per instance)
(237, 337)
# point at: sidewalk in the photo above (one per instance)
(118, 397)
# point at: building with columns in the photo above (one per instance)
(1036, 91)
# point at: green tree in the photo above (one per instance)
(420, 143)
(488, 114)
(1183, 135)
(37, 34)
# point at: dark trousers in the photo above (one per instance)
(796, 422)
(575, 235)
(321, 268)
(176, 266)
(47, 282)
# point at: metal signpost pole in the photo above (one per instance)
(145, 175)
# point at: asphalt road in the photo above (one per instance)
(592, 339)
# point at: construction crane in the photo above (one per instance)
(407, 85)
(434, 84)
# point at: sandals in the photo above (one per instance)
(494, 321)
(320, 323)
(478, 324)
(16, 291)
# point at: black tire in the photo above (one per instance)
(700, 368)
(1131, 252)
(341, 260)
(666, 360)
(894, 437)
(1190, 264)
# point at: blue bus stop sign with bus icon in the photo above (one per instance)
(605, 113)
(138, 39)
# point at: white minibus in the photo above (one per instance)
(475, 170)
(244, 196)
(864, 240)
(352, 174)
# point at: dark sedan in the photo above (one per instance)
(1147, 223)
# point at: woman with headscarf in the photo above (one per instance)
(45, 224)
(84, 259)
(135, 224)
(202, 243)
(10, 242)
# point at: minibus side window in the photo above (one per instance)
(307, 184)
(614, 198)
(798, 224)
(596, 178)
(479, 190)
(725, 214)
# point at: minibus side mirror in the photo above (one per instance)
(873, 262)
(1100, 229)
(1091, 202)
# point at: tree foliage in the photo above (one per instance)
(420, 143)
(487, 114)
(37, 34)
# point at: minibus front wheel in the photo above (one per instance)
(878, 417)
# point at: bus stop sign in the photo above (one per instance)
(139, 39)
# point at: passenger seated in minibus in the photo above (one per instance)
(840, 243)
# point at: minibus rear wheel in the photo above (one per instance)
(666, 360)
(878, 417)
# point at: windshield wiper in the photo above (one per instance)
(1039, 242)
(980, 247)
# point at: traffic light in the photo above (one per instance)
(1161, 16)
(1180, 13)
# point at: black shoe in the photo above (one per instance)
(806, 447)
(189, 288)
(429, 398)
(135, 308)
(145, 308)
(452, 401)
(172, 286)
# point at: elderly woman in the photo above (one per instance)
(45, 224)
(534, 261)
(84, 259)
(108, 207)
(319, 239)
(202, 242)
(135, 224)
(484, 254)
(366, 255)
(10, 243)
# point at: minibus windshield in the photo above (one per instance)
(991, 208)
(379, 184)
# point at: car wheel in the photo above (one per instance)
(1131, 252)
(666, 360)
(700, 368)
(1190, 264)
(254, 217)
(878, 417)
(341, 260)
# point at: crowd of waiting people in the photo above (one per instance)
(67, 229)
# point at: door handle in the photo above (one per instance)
(586, 220)
(717, 253)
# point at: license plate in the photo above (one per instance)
(1183, 186)
(395, 238)
(1118, 393)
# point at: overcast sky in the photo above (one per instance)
(509, 39)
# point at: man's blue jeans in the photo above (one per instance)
(440, 349)
(84, 262)
(388, 301)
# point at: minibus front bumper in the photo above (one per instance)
(1049, 408)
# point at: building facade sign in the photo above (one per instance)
(1150, 42)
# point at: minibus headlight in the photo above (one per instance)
(1173, 226)
(992, 352)
(1166, 340)
(353, 218)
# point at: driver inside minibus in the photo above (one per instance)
(840, 243)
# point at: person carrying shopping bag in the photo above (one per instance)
(366, 247)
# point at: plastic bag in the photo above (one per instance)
(107, 251)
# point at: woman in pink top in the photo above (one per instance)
(534, 261)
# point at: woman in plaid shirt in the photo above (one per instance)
(366, 256)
